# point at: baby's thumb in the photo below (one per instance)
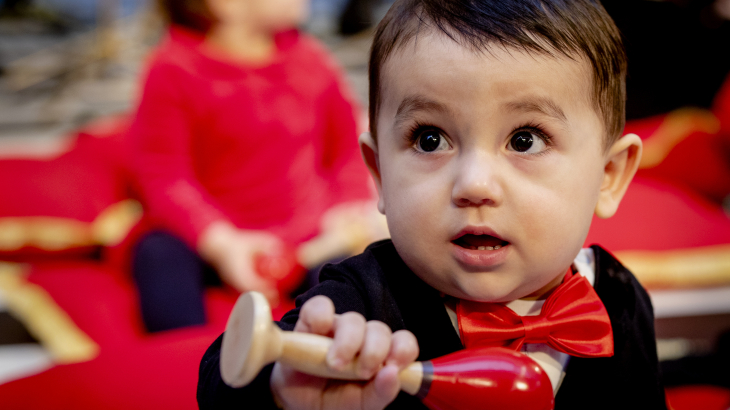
(382, 390)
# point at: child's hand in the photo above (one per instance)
(381, 355)
(232, 251)
(346, 229)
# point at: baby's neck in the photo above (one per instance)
(241, 43)
(546, 290)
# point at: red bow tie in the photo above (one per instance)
(573, 320)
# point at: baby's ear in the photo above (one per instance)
(622, 161)
(369, 151)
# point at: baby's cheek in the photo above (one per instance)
(555, 234)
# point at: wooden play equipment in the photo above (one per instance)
(494, 378)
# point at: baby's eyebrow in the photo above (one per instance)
(414, 103)
(540, 105)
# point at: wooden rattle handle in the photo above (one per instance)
(307, 353)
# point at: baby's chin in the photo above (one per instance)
(495, 287)
(487, 297)
(485, 292)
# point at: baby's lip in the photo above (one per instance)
(476, 230)
(478, 237)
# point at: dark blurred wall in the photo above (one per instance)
(679, 53)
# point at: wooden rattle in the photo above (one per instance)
(494, 378)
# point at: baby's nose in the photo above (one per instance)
(477, 183)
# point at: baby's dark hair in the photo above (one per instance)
(572, 28)
(191, 14)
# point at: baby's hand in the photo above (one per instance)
(381, 355)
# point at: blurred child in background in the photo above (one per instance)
(246, 142)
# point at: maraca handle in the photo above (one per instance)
(307, 353)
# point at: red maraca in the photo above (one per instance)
(494, 378)
(283, 268)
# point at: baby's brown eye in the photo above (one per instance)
(522, 141)
(430, 141)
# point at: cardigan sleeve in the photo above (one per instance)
(162, 133)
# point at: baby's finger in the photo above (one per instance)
(349, 333)
(317, 316)
(403, 349)
(375, 348)
(382, 390)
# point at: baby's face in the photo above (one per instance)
(274, 15)
(490, 166)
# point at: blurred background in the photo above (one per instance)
(70, 331)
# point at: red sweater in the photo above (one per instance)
(269, 147)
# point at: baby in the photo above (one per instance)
(495, 136)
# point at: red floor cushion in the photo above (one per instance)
(154, 373)
(68, 205)
(133, 369)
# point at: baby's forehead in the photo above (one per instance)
(438, 45)
(433, 58)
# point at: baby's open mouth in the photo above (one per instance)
(480, 242)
